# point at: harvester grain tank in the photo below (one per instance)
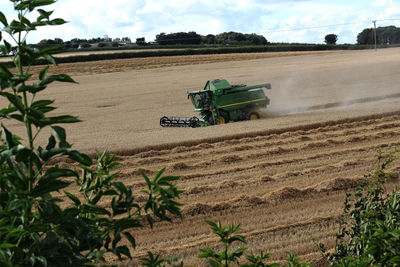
(220, 102)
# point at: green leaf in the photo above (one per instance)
(239, 238)
(58, 78)
(43, 72)
(7, 47)
(158, 175)
(131, 239)
(147, 180)
(36, 87)
(42, 106)
(15, 100)
(57, 21)
(61, 136)
(87, 208)
(5, 111)
(55, 172)
(17, 117)
(6, 245)
(42, 103)
(50, 59)
(8, 137)
(17, 79)
(56, 120)
(150, 220)
(123, 250)
(31, 5)
(73, 198)
(44, 14)
(207, 253)
(3, 19)
(79, 157)
(238, 252)
(51, 143)
(22, 154)
(19, 204)
(43, 188)
(4, 71)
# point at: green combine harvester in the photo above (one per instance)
(220, 102)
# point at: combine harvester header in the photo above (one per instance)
(220, 102)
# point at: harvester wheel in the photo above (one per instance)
(223, 117)
(221, 120)
(253, 116)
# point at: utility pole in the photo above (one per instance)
(374, 21)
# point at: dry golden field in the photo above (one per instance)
(283, 177)
(286, 187)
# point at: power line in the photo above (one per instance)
(325, 26)
(388, 19)
(314, 27)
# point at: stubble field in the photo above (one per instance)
(283, 177)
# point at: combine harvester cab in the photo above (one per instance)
(220, 102)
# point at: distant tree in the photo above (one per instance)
(102, 44)
(126, 39)
(140, 41)
(67, 45)
(85, 45)
(366, 37)
(208, 39)
(76, 42)
(47, 42)
(331, 39)
(95, 40)
(240, 38)
(384, 35)
(178, 38)
(115, 44)
(256, 39)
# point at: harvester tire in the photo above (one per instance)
(253, 116)
(223, 117)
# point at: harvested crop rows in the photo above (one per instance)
(286, 188)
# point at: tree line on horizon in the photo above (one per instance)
(384, 35)
(179, 38)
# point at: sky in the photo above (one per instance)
(300, 21)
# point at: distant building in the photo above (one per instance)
(107, 39)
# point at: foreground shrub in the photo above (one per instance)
(369, 231)
(35, 228)
(226, 257)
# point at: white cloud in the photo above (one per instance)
(385, 3)
(119, 18)
(380, 3)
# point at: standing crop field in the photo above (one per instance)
(283, 177)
